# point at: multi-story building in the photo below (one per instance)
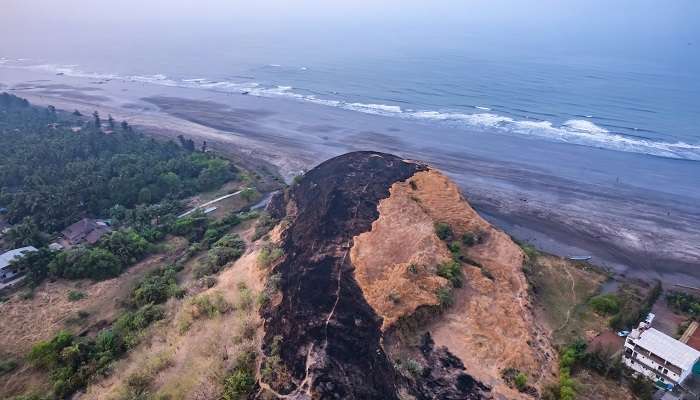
(658, 356)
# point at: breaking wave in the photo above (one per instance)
(574, 131)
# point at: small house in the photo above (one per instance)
(84, 231)
(8, 273)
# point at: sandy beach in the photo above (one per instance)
(570, 200)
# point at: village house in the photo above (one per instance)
(659, 357)
(84, 231)
(8, 274)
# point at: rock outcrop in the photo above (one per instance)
(360, 254)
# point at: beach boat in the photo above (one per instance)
(579, 258)
(245, 93)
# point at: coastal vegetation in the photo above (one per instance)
(57, 167)
(684, 303)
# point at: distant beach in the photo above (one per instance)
(637, 214)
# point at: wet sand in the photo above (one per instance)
(637, 214)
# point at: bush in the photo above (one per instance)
(642, 388)
(75, 295)
(269, 255)
(605, 304)
(413, 367)
(245, 298)
(452, 271)
(443, 231)
(81, 263)
(521, 381)
(221, 256)
(238, 385)
(470, 239)
(72, 362)
(130, 325)
(264, 225)
(445, 297)
(209, 306)
(684, 303)
(7, 366)
(157, 287)
(127, 245)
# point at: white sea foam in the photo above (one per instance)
(575, 131)
(373, 108)
(582, 125)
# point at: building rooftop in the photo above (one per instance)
(6, 258)
(668, 348)
(89, 230)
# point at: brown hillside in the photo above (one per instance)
(491, 326)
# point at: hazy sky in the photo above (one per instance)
(656, 29)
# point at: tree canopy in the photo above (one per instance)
(56, 167)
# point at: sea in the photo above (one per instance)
(645, 101)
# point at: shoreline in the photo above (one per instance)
(628, 227)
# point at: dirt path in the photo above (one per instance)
(207, 204)
(573, 297)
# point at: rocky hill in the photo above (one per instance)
(390, 286)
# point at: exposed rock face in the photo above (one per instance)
(328, 336)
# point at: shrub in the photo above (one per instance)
(7, 366)
(605, 304)
(127, 245)
(264, 225)
(245, 298)
(75, 295)
(445, 297)
(209, 305)
(684, 303)
(413, 367)
(452, 271)
(248, 194)
(642, 387)
(443, 231)
(412, 268)
(238, 385)
(521, 381)
(131, 324)
(46, 354)
(268, 255)
(157, 287)
(530, 251)
(272, 366)
(470, 239)
(79, 263)
(455, 249)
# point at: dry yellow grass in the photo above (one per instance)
(202, 353)
(491, 325)
(28, 321)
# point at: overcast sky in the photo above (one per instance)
(664, 27)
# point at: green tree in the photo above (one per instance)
(24, 234)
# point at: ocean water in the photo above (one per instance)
(627, 79)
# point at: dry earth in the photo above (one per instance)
(491, 325)
(191, 363)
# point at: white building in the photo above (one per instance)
(658, 356)
(7, 273)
